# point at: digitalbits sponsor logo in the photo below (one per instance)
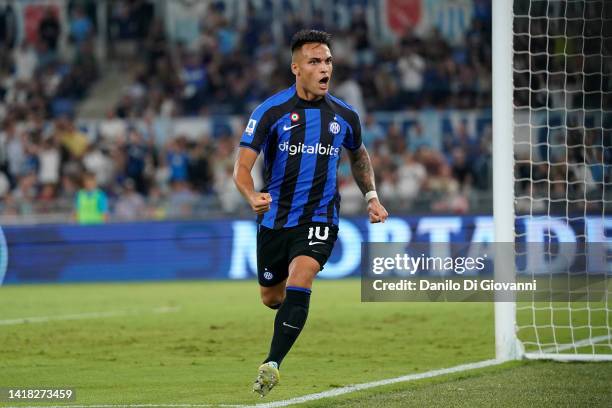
(318, 148)
(3, 256)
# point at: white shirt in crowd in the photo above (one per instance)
(411, 177)
(49, 165)
(16, 155)
(26, 62)
(101, 165)
(411, 69)
(112, 130)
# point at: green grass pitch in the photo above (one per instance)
(206, 347)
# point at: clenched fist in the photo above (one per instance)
(260, 202)
(376, 211)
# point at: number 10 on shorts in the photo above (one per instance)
(317, 233)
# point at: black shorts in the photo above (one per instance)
(277, 248)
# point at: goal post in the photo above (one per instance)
(552, 165)
(506, 346)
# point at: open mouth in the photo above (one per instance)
(324, 80)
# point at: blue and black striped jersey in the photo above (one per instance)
(301, 142)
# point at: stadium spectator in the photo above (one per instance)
(46, 201)
(26, 62)
(8, 25)
(130, 205)
(461, 169)
(49, 29)
(199, 168)
(194, 77)
(452, 199)
(97, 161)
(91, 202)
(464, 140)
(411, 67)
(372, 132)
(113, 129)
(137, 155)
(359, 28)
(395, 140)
(81, 28)
(49, 162)
(14, 143)
(25, 193)
(73, 141)
(417, 138)
(411, 176)
(156, 43)
(178, 160)
(388, 184)
(181, 200)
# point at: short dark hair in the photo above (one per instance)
(309, 36)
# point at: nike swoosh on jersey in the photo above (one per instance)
(315, 243)
(285, 128)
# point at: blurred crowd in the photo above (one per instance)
(414, 175)
(562, 75)
(569, 179)
(570, 46)
(37, 81)
(44, 163)
(230, 69)
(46, 159)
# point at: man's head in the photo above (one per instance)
(311, 62)
(89, 181)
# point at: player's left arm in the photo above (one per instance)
(362, 170)
(361, 167)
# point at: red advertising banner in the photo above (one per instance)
(403, 14)
(32, 15)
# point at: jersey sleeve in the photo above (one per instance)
(257, 130)
(352, 140)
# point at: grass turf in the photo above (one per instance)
(518, 384)
(207, 351)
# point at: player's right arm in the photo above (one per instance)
(251, 142)
(259, 202)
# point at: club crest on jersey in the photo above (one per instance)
(294, 117)
(334, 128)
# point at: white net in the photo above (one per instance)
(562, 52)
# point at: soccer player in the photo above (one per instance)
(301, 131)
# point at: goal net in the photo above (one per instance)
(562, 97)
